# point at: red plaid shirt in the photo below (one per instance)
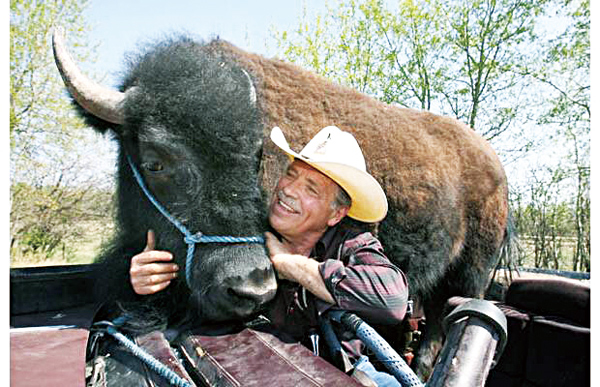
(358, 275)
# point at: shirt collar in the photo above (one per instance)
(325, 242)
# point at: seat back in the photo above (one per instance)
(548, 335)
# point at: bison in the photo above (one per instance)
(194, 117)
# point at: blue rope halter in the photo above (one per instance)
(189, 238)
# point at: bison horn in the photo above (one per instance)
(103, 102)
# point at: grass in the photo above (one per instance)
(564, 251)
(73, 252)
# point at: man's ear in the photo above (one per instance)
(338, 215)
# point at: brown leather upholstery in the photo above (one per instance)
(256, 358)
(548, 335)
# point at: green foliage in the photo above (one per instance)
(451, 56)
(565, 69)
(53, 191)
(486, 38)
(47, 219)
(39, 239)
(36, 94)
(367, 47)
(40, 113)
(549, 230)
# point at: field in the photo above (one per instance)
(558, 252)
(83, 250)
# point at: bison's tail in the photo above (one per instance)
(509, 250)
(507, 260)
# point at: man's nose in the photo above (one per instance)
(291, 189)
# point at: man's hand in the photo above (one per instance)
(297, 268)
(149, 271)
(280, 257)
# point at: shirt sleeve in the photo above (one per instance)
(365, 282)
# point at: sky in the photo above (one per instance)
(120, 26)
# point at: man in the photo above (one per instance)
(322, 262)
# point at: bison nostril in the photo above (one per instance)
(257, 295)
(246, 294)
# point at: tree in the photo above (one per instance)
(487, 38)
(414, 48)
(51, 186)
(367, 47)
(547, 224)
(35, 94)
(563, 72)
(567, 71)
(337, 45)
(453, 57)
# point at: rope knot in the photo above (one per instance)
(193, 238)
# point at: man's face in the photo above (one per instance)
(302, 202)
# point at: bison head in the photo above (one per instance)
(188, 119)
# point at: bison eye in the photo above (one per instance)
(152, 166)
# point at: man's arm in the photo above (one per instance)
(365, 282)
(297, 268)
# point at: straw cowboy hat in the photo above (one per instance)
(336, 154)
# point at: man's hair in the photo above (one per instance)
(342, 199)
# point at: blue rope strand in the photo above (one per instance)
(172, 377)
(189, 238)
(150, 197)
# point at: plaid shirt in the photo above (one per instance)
(358, 275)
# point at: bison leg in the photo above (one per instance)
(431, 341)
(466, 278)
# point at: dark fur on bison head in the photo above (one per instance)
(191, 126)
